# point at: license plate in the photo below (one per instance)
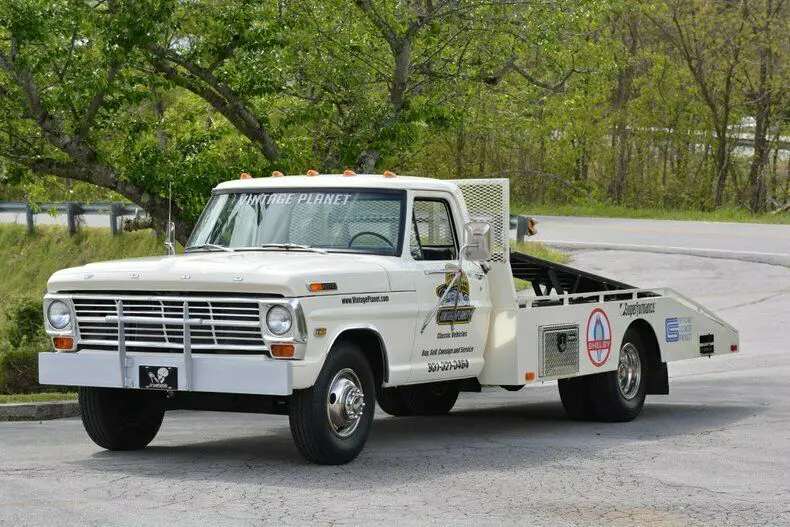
(159, 377)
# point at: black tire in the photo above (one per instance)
(576, 398)
(391, 401)
(609, 402)
(312, 431)
(120, 419)
(436, 398)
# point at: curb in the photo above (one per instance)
(38, 411)
(779, 259)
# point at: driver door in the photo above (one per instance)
(453, 308)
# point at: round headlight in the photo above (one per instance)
(279, 320)
(58, 315)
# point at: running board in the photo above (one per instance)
(546, 276)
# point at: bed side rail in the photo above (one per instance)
(621, 295)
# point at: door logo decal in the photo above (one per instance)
(456, 308)
(599, 337)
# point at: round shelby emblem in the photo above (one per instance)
(599, 337)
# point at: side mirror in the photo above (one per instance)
(477, 237)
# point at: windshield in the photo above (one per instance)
(334, 220)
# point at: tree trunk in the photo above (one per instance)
(366, 162)
(757, 190)
(721, 159)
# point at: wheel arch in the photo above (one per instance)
(373, 347)
(657, 375)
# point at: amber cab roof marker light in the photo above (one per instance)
(277, 173)
(389, 174)
(312, 173)
(349, 173)
(245, 175)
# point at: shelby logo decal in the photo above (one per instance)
(456, 307)
(633, 309)
(599, 337)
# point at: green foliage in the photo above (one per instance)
(23, 323)
(27, 262)
(572, 99)
(37, 397)
(19, 371)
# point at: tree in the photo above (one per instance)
(710, 38)
(767, 20)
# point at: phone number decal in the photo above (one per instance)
(448, 365)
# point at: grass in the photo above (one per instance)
(616, 211)
(27, 261)
(37, 397)
(539, 250)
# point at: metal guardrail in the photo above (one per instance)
(72, 210)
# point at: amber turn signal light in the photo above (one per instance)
(283, 351)
(63, 343)
(389, 174)
(277, 173)
(245, 175)
(349, 173)
(322, 286)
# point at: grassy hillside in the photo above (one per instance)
(27, 261)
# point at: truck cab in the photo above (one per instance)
(318, 296)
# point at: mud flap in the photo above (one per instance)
(658, 379)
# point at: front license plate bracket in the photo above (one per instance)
(158, 377)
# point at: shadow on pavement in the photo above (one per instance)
(413, 449)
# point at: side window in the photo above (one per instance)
(432, 235)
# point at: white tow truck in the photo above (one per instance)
(317, 296)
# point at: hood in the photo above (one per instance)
(267, 272)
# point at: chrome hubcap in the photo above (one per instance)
(345, 403)
(629, 371)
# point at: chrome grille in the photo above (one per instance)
(226, 323)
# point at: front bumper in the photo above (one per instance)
(243, 374)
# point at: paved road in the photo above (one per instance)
(714, 452)
(746, 239)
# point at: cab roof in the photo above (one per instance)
(338, 181)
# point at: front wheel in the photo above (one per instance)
(331, 421)
(120, 419)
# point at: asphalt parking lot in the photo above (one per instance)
(714, 452)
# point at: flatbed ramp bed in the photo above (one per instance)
(546, 276)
